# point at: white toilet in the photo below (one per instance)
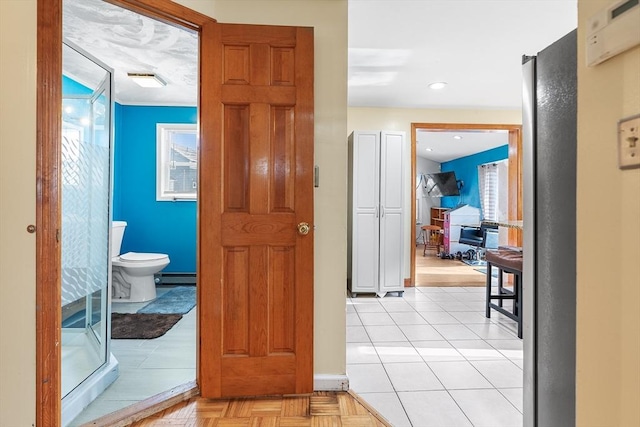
(132, 273)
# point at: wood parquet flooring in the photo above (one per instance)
(322, 409)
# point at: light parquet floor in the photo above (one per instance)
(322, 409)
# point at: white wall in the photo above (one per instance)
(401, 119)
(425, 166)
(17, 211)
(608, 241)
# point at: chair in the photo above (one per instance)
(432, 238)
(483, 237)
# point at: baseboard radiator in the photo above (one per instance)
(175, 278)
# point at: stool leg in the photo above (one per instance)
(488, 308)
(424, 240)
(516, 294)
(518, 284)
(500, 273)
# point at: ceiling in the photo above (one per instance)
(444, 146)
(131, 43)
(396, 48)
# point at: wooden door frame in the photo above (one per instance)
(515, 175)
(48, 187)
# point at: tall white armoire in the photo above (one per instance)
(376, 212)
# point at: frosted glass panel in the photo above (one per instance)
(85, 219)
(85, 170)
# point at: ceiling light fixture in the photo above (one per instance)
(147, 79)
(457, 137)
(429, 149)
(437, 85)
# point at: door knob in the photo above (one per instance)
(303, 228)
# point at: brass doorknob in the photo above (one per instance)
(303, 228)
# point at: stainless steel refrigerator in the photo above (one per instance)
(549, 207)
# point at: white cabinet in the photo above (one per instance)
(376, 212)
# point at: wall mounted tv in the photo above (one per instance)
(442, 184)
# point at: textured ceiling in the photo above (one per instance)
(128, 42)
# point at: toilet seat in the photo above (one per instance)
(138, 257)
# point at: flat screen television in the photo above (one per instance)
(442, 184)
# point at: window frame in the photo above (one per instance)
(163, 148)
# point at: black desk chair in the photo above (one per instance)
(483, 237)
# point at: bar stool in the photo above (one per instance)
(506, 261)
(432, 238)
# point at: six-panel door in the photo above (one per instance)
(256, 186)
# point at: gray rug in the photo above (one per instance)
(179, 300)
(475, 263)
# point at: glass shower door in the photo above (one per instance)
(86, 188)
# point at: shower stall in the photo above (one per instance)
(86, 163)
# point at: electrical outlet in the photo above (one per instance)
(629, 142)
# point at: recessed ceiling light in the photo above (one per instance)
(147, 79)
(437, 85)
(457, 137)
(429, 149)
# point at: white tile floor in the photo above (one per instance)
(147, 367)
(431, 358)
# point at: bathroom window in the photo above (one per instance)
(177, 162)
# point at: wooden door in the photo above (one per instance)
(256, 188)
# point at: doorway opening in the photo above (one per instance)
(149, 172)
(434, 344)
(261, 205)
(422, 204)
(49, 319)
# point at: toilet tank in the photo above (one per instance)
(117, 233)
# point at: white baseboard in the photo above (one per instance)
(325, 382)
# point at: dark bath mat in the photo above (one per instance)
(141, 325)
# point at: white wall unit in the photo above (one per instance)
(376, 212)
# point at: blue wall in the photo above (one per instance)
(164, 227)
(72, 87)
(466, 169)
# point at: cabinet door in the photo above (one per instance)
(391, 211)
(366, 199)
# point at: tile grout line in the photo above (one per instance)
(385, 369)
(447, 390)
(494, 387)
(471, 308)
